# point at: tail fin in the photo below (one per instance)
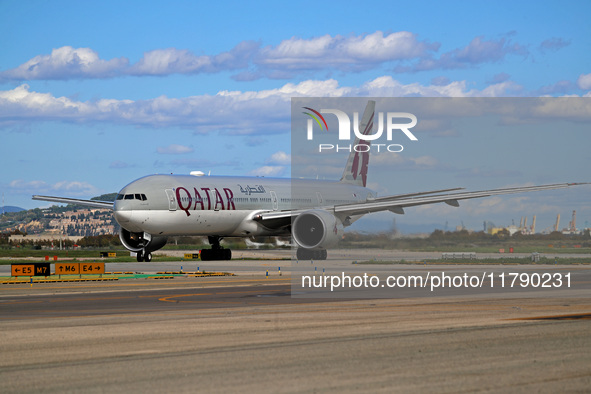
(356, 169)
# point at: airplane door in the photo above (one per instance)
(274, 200)
(171, 200)
(319, 196)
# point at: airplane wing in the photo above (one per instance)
(397, 204)
(86, 203)
(452, 199)
(399, 196)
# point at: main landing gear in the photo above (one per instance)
(144, 256)
(311, 254)
(216, 252)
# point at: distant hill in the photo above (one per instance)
(106, 197)
(10, 208)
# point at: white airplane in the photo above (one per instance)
(313, 212)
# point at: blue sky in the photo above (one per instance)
(96, 94)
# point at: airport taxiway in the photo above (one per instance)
(246, 333)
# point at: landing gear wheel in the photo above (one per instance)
(204, 255)
(311, 254)
(216, 252)
(302, 254)
(148, 257)
(140, 257)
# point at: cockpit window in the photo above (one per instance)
(136, 196)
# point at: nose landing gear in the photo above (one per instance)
(144, 256)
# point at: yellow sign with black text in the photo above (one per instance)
(92, 268)
(36, 269)
(67, 268)
(22, 269)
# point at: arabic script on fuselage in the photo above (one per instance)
(248, 190)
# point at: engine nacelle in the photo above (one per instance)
(141, 242)
(316, 229)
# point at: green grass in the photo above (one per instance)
(97, 259)
(495, 249)
(28, 252)
(488, 261)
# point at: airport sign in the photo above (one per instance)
(34, 269)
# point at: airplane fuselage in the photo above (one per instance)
(166, 205)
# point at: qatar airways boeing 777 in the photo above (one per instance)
(313, 212)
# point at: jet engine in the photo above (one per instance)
(141, 243)
(316, 229)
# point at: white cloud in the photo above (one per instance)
(584, 81)
(181, 61)
(170, 61)
(507, 88)
(281, 61)
(291, 57)
(280, 158)
(67, 63)
(478, 51)
(386, 86)
(231, 112)
(268, 171)
(174, 149)
(345, 53)
(23, 103)
(237, 112)
(311, 88)
(70, 188)
(234, 112)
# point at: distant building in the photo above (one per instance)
(43, 237)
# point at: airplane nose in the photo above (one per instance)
(123, 216)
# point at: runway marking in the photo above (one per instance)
(168, 298)
(278, 309)
(149, 287)
(238, 292)
(164, 299)
(576, 316)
